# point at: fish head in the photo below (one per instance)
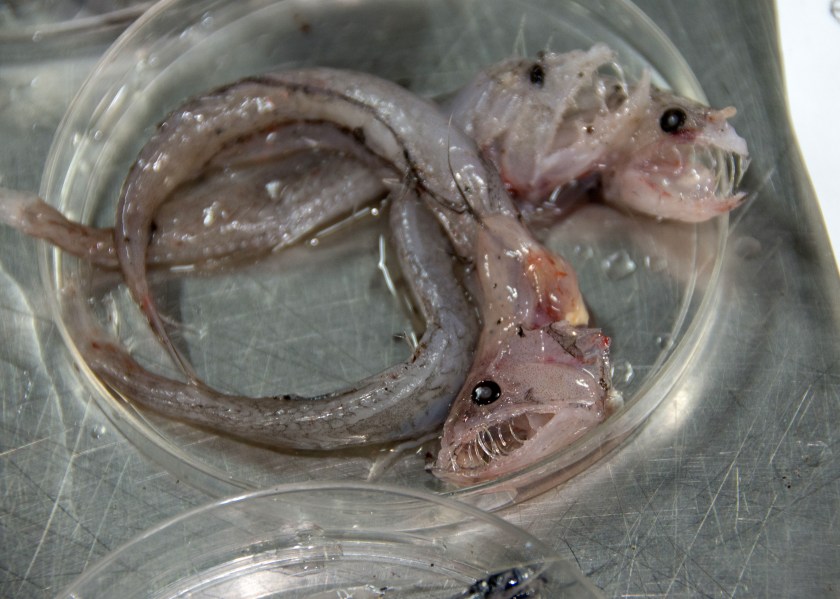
(554, 123)
(529, 394)
(683, 161)
(544, 121)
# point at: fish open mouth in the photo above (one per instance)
(697, 179)
(699, 172)
(725, 168)
(498, 440)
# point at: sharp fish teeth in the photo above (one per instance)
(500, 445)
(513, 433)
(501, 434)
(473, 455)
(743, 163)
(719, 170)
(495, 441)
(481, 443)
(729, 169)
(726, 187)
(493, 445)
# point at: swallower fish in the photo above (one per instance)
(557, 125)
(439, 166)
(552, 126)
(540, 377)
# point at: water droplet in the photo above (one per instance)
(273, 188)
(656, 263)
(747, 247)
(664, 341)
(374, 211)
(98, 135)
(98, 430)
(28, 388)
(584, 251)
(35, 82)
(618, 265)
(37, 36)
(314, 242)
(622, 372)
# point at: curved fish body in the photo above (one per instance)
(259, 195)
(405, 401)
(531, 309)
(557, 125)
(265, 193)
(404, 131)
(526, 293)
(540, 378)
(554, 127)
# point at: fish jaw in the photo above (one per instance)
(555, 386)
(690, 175)
(686, 183)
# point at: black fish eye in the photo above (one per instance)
(486, 392)
(672, 120)
(537, 74)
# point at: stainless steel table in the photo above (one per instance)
(730, 489)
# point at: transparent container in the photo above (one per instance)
(331, 541)
(316, 318)
(28, 22)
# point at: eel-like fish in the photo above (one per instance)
(438, 163)
(405, 401)
(554, 126)
(540, 378)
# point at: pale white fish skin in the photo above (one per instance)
(258, 195)
(402, 402)
(581, 125)
(264, 193)
(540, 378)
(30, 214)
(439, 163)
(557, 124)
(386, 116)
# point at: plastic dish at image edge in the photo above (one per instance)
(39, 20)
(326, 540)
(651, 286)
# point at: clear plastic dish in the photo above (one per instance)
(329, 540)
(27, 21)
(318, 317)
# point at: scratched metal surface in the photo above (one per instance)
(731, 489)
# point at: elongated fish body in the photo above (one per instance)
(404, 401)
(525, 293)
(554, 126)
(558, 124)
(204, 127)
